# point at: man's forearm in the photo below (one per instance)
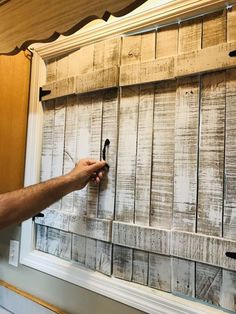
(22, 204)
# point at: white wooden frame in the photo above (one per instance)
(140, 297)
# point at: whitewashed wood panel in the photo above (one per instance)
(163, 155)
(65, 245)
(122, 262)
(90, 253)
(211, 154)
(214, 29)
(53, 241)
(47, 141)
(231, 24)
(104, 257)
(91, 227)
(144, 155)
(78, 248)
(131, 49)
(167, 41)
(71, 120)
(140, 267)
(41, 238)
(190, 35)
(159, 275)
(208, 283)
(206, 249)
(229, 227)
(54, 218)
(228, 290)
(148, 46)
(186, 154)
(126, 171)
(109, 131)
(51, 73)
(183, 277)
(140, 237)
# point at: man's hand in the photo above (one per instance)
(86, 170)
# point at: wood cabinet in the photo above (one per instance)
(14, 94)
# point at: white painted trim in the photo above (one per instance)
(171, 12)
(141, 297)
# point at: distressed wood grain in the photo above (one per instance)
(167, 41)
(54, 218)
(214, 29)
(91, 227)
(229, 227)
(144, 155)
(208, 283)
(78, 248)
(231, 24)
(122, 262)
(183, 277)
(211, 155)
(85, 59)
(163, 155)
(190, 35)
(202, 248)
(71, 120)
(104, 257)
(131, 49)
(51, 72)
(186, 154)
(128, 117)
(140, 267)
(65, 245)
(228, 290)
(140, 237)
(106, 53)
(90, 253)
(41, 238)
(109, 131)
(53, 241)
(148, 46)
(159, 275)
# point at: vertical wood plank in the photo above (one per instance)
(159, 272)
(214, 29)
(90, 253)
(65, 245)
(98, 58)
(109, 131)
(208, 283)
(78, 248)
(228, 290)
(85, 59)
(112, 52)
(144, 155)
(104, 257)
(140, 267)
(41, 238)
(229, 227)
(163, 155)
(211, 159)
(122, 262)
(51, 75)
(183, 277)
(127, 154)
(190, 35)
(53, 241)
(186, 151)
(167, 41)
(131, 49)
(231, 24)
(148, 46)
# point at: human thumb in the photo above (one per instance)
(97, 166)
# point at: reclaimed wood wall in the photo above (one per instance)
(165, 215)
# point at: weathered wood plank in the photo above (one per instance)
(159, 275)
(91, 227)
(47, 142)
(106, 53)
(186, 151)
(90, 253)
(85, 59)
(183, 277)
(211, 154)
(54, 218)
(109, 131)
(104, 257)
(202, 248)
(231, 24)
(140, 237)
(229, 227)
(163, 155)
(140, 267)
(126, 173)
(148, 46)
(78, 248)
(190, 35)
(41, 238)
(70, 147)
(122, 262)
(53, 241)
(167, 41)
(65, 245)
(51, 74)
(228, 290)
(208, 283)
(214, 29)
(131, 49)
(144, 155)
